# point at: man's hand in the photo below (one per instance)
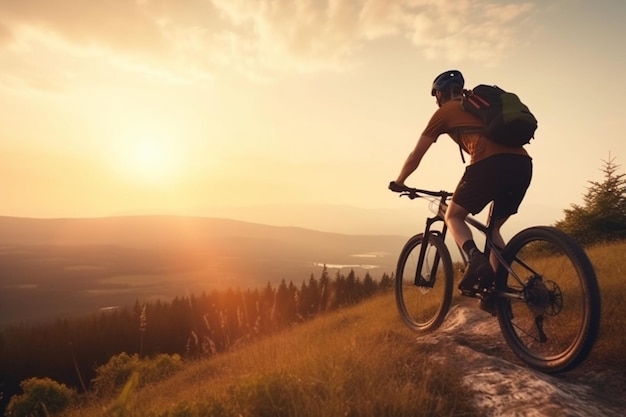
(395, 187)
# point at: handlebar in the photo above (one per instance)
(414, 193)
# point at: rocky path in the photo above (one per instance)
(470, 340)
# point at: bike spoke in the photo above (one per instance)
(531, 336)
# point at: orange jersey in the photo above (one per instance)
(450, 118)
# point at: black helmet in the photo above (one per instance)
(447, 78)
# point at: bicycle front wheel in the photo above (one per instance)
(423, 296)
(552, 316)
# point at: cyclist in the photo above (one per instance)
(495, 173)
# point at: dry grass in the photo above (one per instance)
(360, 361)
(610, 265)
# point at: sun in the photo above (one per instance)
(148, 154)
(148, 158)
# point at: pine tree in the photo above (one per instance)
(603, 216)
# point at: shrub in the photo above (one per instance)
(161, 367)
(115, 373)
(41, 397)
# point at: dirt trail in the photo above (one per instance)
(470, 340)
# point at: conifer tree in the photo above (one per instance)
(602, 217)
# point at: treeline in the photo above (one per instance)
(69, 350)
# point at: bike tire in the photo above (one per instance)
(424, 307)
(555, 326)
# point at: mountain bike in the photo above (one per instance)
(545, 293)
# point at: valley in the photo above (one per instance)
(55, 268)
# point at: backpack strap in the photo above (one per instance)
(461, 130)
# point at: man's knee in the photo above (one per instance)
(455, 212)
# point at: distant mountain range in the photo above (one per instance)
(329, 218)
(56, 267)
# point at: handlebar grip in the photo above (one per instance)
(397, 188)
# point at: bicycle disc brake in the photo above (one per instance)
(425, 284)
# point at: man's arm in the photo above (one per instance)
(414, 158)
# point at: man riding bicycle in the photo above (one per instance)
(495, 173)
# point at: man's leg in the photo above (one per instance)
(455, 219)
(479, 265)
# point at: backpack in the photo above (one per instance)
(508, 121)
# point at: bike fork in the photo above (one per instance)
(429, 281)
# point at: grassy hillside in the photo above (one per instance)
(360, 361)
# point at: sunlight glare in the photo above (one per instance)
(149, 154)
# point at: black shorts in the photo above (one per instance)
(502, 178)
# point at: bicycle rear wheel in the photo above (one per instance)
(424, 302)
(554, 322)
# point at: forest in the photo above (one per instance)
(70, 350)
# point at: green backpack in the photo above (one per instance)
(507, 120)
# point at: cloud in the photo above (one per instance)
(196, 38)
(313, 34)
(468, 30)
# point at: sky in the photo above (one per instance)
(215, 107)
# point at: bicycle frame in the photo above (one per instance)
(489, 247)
